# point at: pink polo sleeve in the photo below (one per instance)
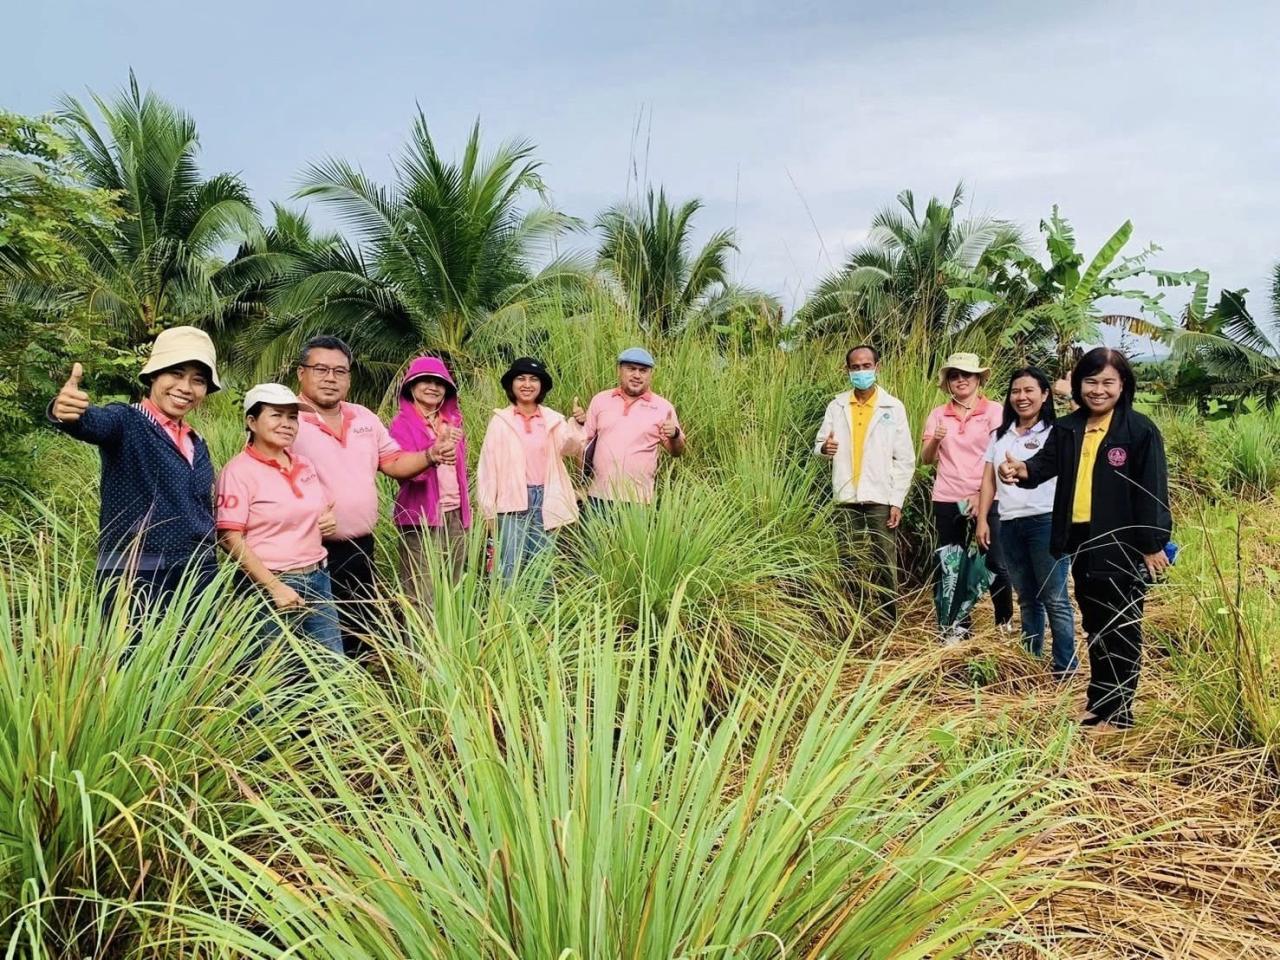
(388, 450)
(234, 496)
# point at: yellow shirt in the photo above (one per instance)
(860, 412)
(1082, 505)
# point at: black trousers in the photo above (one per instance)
(1111, 610)
(351, 573)
(953, 527)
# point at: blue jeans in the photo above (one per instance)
(521, 536)
(318, 621)
(1040, 579)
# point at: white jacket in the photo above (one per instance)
(888, 455)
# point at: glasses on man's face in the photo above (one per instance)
(324, 371)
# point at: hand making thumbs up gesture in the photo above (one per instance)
(669, 431)
(445, 449)
(328, 522)
(71, 402)
(1011, 471)
(578, 413)
(829, 445)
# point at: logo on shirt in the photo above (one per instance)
(227, 500)
(366, 428)
(1117, 456)
(1031, 445)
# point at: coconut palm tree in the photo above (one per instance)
(1223, 352)
(902, 274)
(646, 252)
(435, 254)
(161, 266)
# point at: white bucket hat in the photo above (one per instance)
(965, 363)
(179, 345)
(275, 394)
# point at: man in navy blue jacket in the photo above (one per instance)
(156, 522)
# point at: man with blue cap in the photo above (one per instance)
(625, 427)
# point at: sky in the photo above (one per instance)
(793, 122)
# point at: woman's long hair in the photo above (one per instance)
(1047, 414)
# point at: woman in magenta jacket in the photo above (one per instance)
(432, 509)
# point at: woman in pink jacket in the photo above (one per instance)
(522, 484)
(433, 509)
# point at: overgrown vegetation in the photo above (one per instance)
(696, 743)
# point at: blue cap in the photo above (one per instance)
(637, 355)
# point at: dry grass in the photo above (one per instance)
(1204, 879)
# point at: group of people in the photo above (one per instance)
(297, 507)
(1040, 495)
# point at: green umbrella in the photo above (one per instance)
(963, 578)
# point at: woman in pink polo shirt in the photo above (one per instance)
(273, 512)
(433, 509)
(955, 439)
(522, 484)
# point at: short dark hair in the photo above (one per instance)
(1097, 360)
(1047, 413)
(875, 354)
(510, 390)
(324, 342)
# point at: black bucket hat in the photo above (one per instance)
(527, 365)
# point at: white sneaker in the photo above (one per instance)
(953, 635)
(1007, 629)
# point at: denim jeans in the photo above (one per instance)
(521, 536)
(318, 620)
(1040, 580)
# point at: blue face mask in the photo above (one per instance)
(862, 379)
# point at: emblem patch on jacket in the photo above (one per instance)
(1117, 456)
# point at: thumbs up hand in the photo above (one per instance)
(829, 445)
(328, 522)
(71, 402)
(445, 449)
(578, 413)
(1011, 471)
(668, 430)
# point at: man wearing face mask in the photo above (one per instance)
(866, 435)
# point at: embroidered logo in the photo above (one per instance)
(1031, 445)
(1117, 456)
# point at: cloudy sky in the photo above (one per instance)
(794, 122)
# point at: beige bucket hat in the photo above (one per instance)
(964, 362)
(179, 345)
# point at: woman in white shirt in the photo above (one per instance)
(1026, 522)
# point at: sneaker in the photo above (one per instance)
(1007, 629)
(954, 635)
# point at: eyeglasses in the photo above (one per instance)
(322, 370)
(959, 374)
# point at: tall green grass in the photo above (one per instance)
(107, 730)
(575, 797)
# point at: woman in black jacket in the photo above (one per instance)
(1111, 511)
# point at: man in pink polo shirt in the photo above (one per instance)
(625, 427)
(348, 445)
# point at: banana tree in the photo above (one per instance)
(1043, 310)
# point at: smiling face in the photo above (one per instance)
(428, 393)
(526, 387)
(963, 386)
(274, 428)
(1101, 392)
(179, 390)
(1027, 398)
(325, 379)
(634, 378)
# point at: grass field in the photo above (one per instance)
(697, 746)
